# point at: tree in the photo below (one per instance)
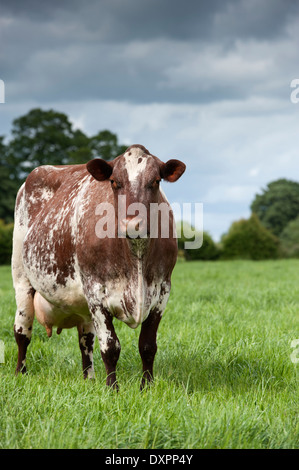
(40, 138)
(249, 239)
(8, 186)
(80, 151)
(208, 250)
(277, 205)
(105, 145)
(6, 231)
(290, 239)
(46, 138)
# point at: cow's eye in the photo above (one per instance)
(154, 184)
(115, 184)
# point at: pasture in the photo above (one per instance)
(223, 373)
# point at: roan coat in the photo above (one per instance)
(68, 276)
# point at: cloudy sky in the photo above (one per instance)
(207, 82)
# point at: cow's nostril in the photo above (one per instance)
(133, 227)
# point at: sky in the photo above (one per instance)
(205, 82)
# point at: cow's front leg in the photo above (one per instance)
(109, 344)
(86, 334)
(148, 345)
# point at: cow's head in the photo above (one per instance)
(136, 175)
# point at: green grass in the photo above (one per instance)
(223, 373)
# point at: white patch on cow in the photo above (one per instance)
(90, 373)
(135, 163)
(141, 310)
(25, 313)
(96, 294)
(54, 167)
(65, 305)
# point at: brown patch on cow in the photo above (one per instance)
(22, 342)
(148, 345)
(89, 340)
(129, 302)
(86, 347)
(31, 291)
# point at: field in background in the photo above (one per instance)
(223, 373)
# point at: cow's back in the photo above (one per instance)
(50, 198)
(44, 182)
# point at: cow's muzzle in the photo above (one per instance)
(133, 227)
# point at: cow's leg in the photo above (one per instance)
(86, 334)
(148, 345)
(109, 343)
(23, 289)
(23, 321)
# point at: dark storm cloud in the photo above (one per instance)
(119, 20)
(139, 51)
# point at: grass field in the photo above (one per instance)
(223, 373)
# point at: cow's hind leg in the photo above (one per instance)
(23, 321)
(86, 334)
(23, 289)
(148, 345)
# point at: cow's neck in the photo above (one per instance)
(139, 246)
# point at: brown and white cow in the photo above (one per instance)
(68, 276)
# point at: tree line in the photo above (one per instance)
(48, 137)
(271, 232)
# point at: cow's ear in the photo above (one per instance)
(172, 170)
(99, 169)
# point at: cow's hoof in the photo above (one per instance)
(20, 370)
(113, 386)
(88, 374)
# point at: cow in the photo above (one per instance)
(66, 275)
